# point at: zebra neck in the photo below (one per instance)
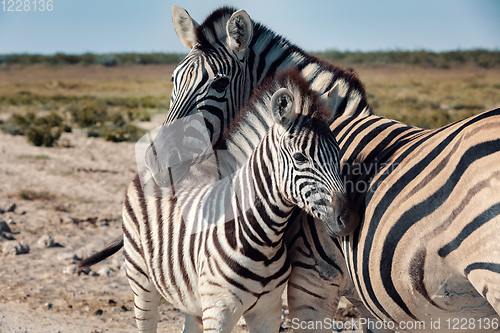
(271, 53)
(246, 200)
(260, 206)
(368, 149)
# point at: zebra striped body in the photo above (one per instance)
(215, 251)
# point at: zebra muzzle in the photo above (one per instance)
(346, 217)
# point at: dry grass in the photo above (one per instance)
(425, 97)
(431, 98)
(32, 195)
(106, 101)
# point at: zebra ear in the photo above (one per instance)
(282, 107)
(184, 26)
(239, 30)
(332, 100)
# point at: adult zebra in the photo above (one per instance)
(219, 73)
(215, 250)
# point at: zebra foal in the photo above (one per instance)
(215, 251)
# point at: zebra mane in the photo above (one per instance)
(324, 73)
(254, 120)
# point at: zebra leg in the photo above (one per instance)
(363, 311)
(146, 302)
(318, 273)
(265, 316)
(310, 298)
(221, 308)
(220, 319)
(487, 283)
(146, 297)
(192, 324)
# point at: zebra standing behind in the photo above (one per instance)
(215, 251)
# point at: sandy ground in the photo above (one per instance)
(64, 204)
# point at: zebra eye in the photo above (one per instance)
(300, 158)
(220, 84)
(172, 78)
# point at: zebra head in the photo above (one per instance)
(309, 155)
(213, 78)
(212, 81)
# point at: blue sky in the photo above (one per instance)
(77, 26)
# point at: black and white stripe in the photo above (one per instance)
(215, 250)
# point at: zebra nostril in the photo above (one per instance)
(340, 221)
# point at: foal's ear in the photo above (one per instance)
(332, 101)
(239, 30)
(184, 26)
(282, 107)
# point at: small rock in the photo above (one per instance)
(49, 306)
(124, 308)
(242, 322)
(103, 223)
(15, 247)
(105, 271)
(71, 269)
(5, 236)
(10, 207)
(10, 220)
(66, 256)
(4, 227)
(69, 220)
(46, 241)
(83, 252)
(98, 312)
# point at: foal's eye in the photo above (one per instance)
(300, 158)
(220, 84)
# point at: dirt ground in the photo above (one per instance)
(64, 203)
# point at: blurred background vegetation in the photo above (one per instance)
(481, 58)
(112, 95)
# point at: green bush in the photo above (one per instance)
(127, 132)
(91, 113)
(116, 129)
(39, 130)
(139, 114)
(45, 136)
